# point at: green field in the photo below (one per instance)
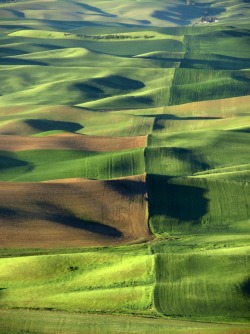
(47, 322)
(31, 165)
(162, 97)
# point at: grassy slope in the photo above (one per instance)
(30, 165)
(89, 282)
(202, 286)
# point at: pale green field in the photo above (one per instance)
(90, 282)
(44, 322)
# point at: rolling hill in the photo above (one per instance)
(124, 166)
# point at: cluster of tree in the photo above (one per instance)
(111, 36)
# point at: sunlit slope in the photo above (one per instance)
(48, 322)
(90, 282)
(215, 66)
(190, 85)
(74, 86)
(74, 212)
(51, 120)
(115, 84)
(133, 73)
(201, 286)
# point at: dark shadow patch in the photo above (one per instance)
(16, 13)
(142, 100)
(17, 61)
(180, 202)
(119, 83)
(158, 127)
(146, 22)
(190, 118)
(170, 117)
(95, 10)
(48, 47)
(218, 63)
(63, 216)
(245, 287)
(127, 187)
(50, 125)
(5, 52)
(14, 27)
(7, 212)
(233, 33)
(244, 130)
(72, 268)
(183, 14)
(7, 161)
(188, 157)
(243, 76)
(89, 90)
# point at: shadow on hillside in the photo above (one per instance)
(245, 287)
(158, 126)
(119, 83)
(181, 202)
(95, 10)
(50, 125)
(233, 33)
(243, 77)
(186, 156)
(17, 61)
(244, 130)
(192, 61)
(127, 187)
(7, 162)
(8, 212)
(89, 90)
(63, 216)
(184, 15)
(14, 27)
(227, 63)
(5, 52)
(48, 47)
(172, 117)
(16, 13)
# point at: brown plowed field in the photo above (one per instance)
(71, 141)
(73, 214)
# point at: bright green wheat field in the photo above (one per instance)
(124, 69)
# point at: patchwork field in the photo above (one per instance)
(124, 166)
